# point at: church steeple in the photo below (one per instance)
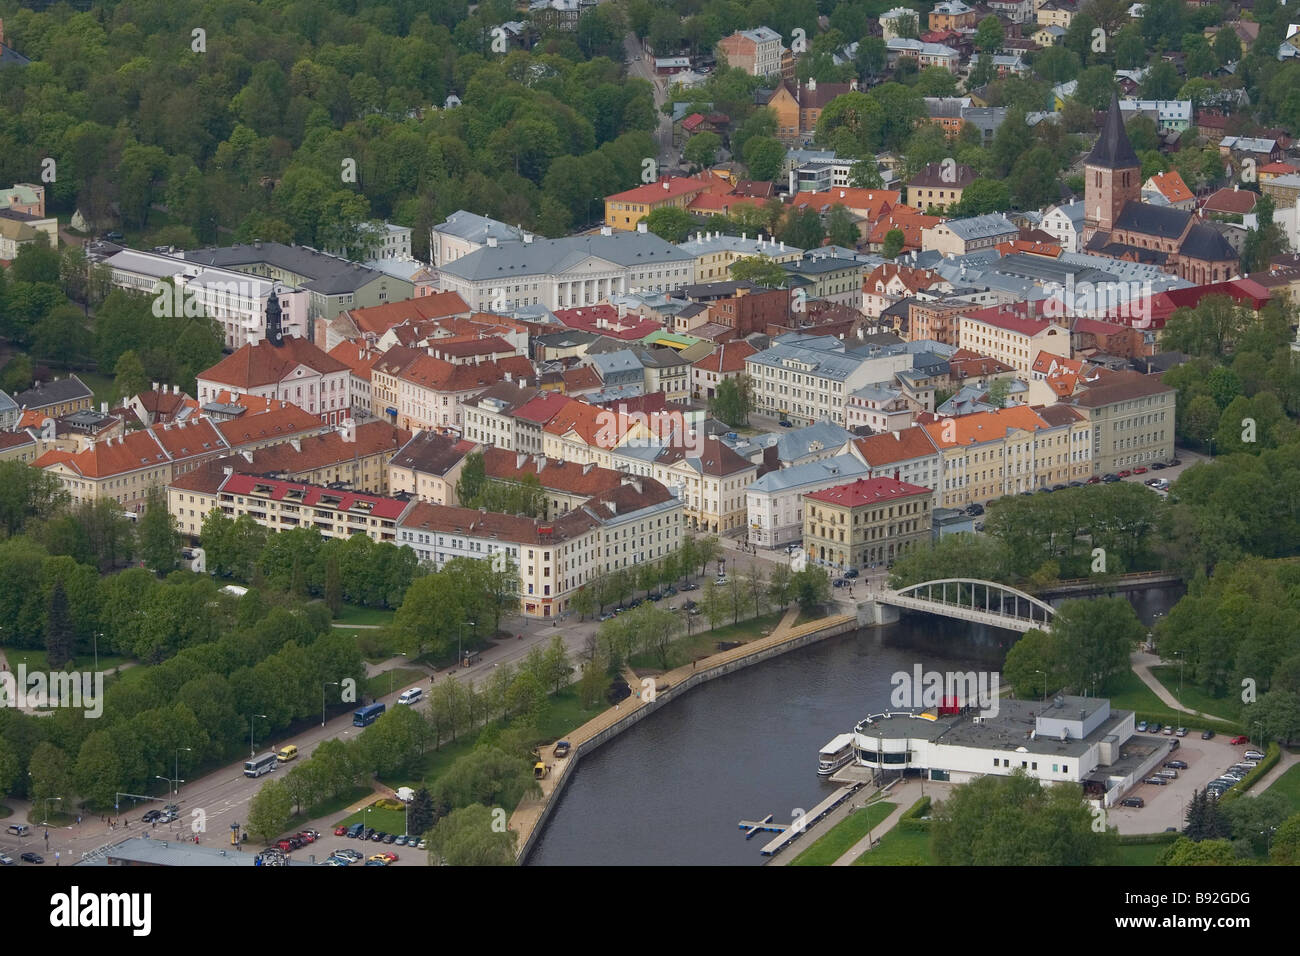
(1113, 150)
(274, 325)
(1112, 174)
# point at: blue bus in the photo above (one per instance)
(367, 715)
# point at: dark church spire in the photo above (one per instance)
(274, 327)
(1113, 149)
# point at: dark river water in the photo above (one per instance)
(673, 788)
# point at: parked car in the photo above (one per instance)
(1154, 728)
(1176, 764)
(1169, 730)
(1180, 732)
(1207, 735)
(975, 510)
(32, 858)
(1058, 487)
(1126, 473)
(390, 857)
(355, 831)
(368, 833)
(149, 816)
(400, 841)
(1076, 484)
(562, 749)
(1168, 774)
(378, 836)
(340, 830)
(1176, 462)
(378, 858)
(786, 423)
(1133, 802)
(1094, 480)
(1157, 781)
(1239, 740)
(1142, 726)
(390, 838)
(1253, 755)
(6, 859)
(1110, 479)
(1173, 744)
(1151, 482)
(1139, 471)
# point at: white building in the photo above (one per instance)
(774, 502)
(569, 272)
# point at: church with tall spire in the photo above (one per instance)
(1118, 225)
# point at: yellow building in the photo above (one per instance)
(624, 210)
(867, 521)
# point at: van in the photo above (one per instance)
(18, 829)
(1170, 774)
(354, 831)
(411, 696)
(285, 754)
(1133, 802)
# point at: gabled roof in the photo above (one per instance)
(284, 421)
(56, 392)
(431, 453)
(727, 357)
(1171, 186)
(867, 491)
(254, 366)
(891, 448)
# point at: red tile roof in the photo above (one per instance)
(888, 449)
(378, 319)
(254, 366)
(313, 495)
(867, 491)
(287, 421)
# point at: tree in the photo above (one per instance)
(1183, 852)
(670, 223)
(269, 810)
(802, 229)
(1094, 638)
(779, 585)
(893, 244)
(733, 400)
(60, 639)
(989, 35)
(27, 493)
(129, 375)
(1285, 850)
(702, 149)
(764, 155)
(984, 196)
(1227, 46)
(159, 541)
(469, 836)
(420, 813)
(333, 586)
(1162, 82)
(1016, 821)
(812, 587)
(981, 71)
(840, 227)
(760, 270)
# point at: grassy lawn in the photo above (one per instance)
(326, 808)
(704, 641)
(1191, 695)
(1127, 692)
(899, 848)
(843, 835)
(390, 681)
(101, 385)
(351, 614)
(1139, 854)
(816, 614)
(1289, 786)
(38, 660)
(390, 821)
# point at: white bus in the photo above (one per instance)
(263, 763)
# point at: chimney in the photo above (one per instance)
(607, 230)
(103, 408)
(492, 242)
(155, 386)
(519, 461)
(640, 227)
(812, 85)
(666, 186)
(247, 456)
(296, 443)
(541, 463)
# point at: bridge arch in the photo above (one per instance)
(946, 595)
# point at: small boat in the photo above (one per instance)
(835, 755)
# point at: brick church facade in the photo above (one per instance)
(1118, 225)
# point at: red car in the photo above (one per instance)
(1139, 471)
(1125, 474)
(340, 831)
(391, 857)
(1239, 740)
(1094, 480)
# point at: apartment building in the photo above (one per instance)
(428, 466)
(714, 253)
(55, 398)
(868, 521)
(430, 390)
(489, 415)
(279, 505)
(774, 502)
(1130, 417)
(1011, 338)
(624, 210)
(355, 457)
(289, 369)
(808, 378)
(960, 237)
(907, 455)
(757, 52)
(566, 484)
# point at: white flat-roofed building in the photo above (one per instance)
(1078, 740)
(774, 502)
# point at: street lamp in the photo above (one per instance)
(176, 766)
(1044, 673)
(251, 752)
(460, 630)
(1181, 662)
(96, 638)
(390, 674)
(332, 683)
(47, 809)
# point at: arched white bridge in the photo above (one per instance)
(969, 599)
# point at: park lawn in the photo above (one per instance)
(101, 385)
(1191, 695)
(816, 614)
(1289, 786)
(1139, 854)
(390, 821)
(38, 660)
(352, 614)
(391, 681)
(326, 808)
(899, 847)
(704, 642)
(1127, 692)
(843, 835)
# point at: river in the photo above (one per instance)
(672, 789)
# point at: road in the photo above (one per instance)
(643, 68)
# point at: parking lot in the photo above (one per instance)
(1166, 806)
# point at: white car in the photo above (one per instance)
(6, 859)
